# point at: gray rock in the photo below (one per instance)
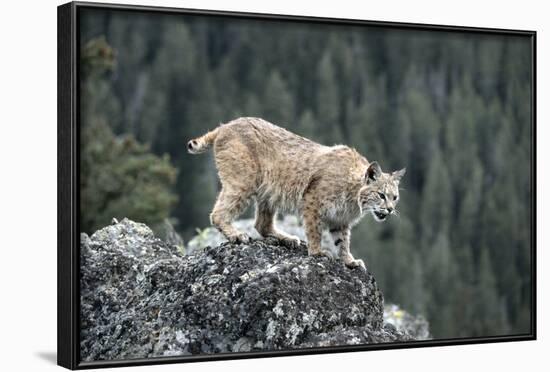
(141, 298)
(414, 325)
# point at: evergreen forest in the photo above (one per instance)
(452, 107)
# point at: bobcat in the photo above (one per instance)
(332, 187)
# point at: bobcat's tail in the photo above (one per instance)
(203, 143)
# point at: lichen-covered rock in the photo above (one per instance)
(141, 298)
(414, 325)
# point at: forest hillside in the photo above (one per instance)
(453, 108)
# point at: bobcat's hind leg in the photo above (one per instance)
(237, 170)
(265, 219)
(229, 205)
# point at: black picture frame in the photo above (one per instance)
(68, 188)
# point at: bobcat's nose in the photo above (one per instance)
(390, 210)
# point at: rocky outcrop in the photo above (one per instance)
(415, 326)
(141, 298)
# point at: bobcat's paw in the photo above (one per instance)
(290, 242)
(356, 263)
(239, 239)
(352, 262)
(316, 253)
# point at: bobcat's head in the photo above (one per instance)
(380, 193)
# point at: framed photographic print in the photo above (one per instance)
(236, 185)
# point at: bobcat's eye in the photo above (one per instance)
(382, 196)
(395, 197)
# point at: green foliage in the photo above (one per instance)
(120, 178)
(491, 315)
(97, 56)
(328, 101)
(452, 108)
(278, 104)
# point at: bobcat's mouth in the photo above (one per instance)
(379, 216)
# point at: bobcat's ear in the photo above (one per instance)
(373, 172)
(397, 175)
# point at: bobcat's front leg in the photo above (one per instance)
(341, 238)
(313, 225)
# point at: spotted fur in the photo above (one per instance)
(330, 186)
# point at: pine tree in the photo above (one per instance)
(466, 227)
(307, 124)
(436, 201)
(328, 107)
(278, 106)
(364, 127)
(120, 178)
(417, 128)
(441, 274)
(489, 317)
(464, 313)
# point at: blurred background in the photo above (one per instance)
(453, 108)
